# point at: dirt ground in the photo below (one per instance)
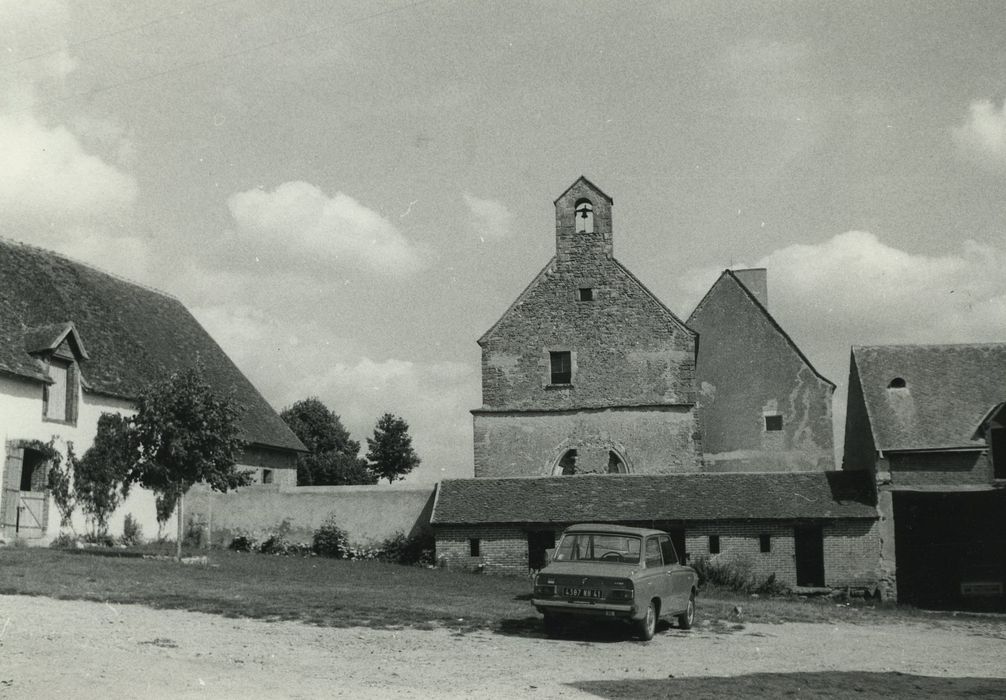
(51, 648)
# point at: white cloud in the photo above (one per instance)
(47, 178)
(55, 190)
(984, 132)
(853, 289)
(335, 229)
(488, 218)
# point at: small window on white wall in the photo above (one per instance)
(267, 476)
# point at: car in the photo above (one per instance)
(613, 572)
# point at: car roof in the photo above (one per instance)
(619, 529)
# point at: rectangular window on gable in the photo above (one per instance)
(586, 294)
(773, 423)
(561, 367)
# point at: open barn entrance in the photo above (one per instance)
(24, 503)
(951, 549)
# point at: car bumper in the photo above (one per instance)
(566, 607)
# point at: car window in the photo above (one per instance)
(670, 556)
(653, 552)
(610, 548)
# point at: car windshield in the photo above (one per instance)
(590, 546)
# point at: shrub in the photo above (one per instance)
(417, 549)
(132, 533)
(242, 543)
(64, 540)
(330, 540)
(735, 573)
(101, 539)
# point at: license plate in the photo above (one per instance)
(581, 592)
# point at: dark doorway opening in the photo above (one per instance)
(808, 541)
(951, 549)
(537, 542)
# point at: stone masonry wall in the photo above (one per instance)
(651, 441)
(748, 370)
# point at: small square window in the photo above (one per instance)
(765, 541)
(474, 545)
(773, 423)
(561, 367)
(586, 294)
(267, 476)
(714, 544)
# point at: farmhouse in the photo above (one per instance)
(75, 343)
(599, 404)
(927, 423)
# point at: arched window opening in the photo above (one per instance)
(615, 464)
(897, 383)
(567, 465)
(583, 214)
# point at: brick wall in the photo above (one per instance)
(851, 548)
(658, 440)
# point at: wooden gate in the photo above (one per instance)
(24, 503)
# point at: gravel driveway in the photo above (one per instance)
(51, 648)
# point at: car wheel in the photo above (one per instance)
(687, 618)
(553, 626)
(648, 625)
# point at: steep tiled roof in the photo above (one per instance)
(948, 390)
(133, 334)
(622, 498)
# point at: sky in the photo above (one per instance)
(348, 194)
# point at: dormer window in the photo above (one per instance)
(59, 349)
(583, 215)
(60, 397)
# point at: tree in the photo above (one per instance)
(100, 477)
(184, 433)
(332, 457)
(390, 451)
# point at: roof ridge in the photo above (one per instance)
(923, 346)
(88, 265)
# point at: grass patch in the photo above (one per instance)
(371, 593)
(314, 590)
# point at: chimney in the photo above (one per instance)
(756, 281)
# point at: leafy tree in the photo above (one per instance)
(333, 455)
(390, 451)
(164, 504)
(100, 477)
(184, 433)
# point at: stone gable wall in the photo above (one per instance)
(747, 370)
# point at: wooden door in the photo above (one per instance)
(809, 546)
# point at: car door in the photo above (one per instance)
(679, 579)
(657, 580)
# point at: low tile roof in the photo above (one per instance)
(948, 390)
(134, 335)
(637, 497)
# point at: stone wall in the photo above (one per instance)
(659, 440)
(368, 514)
(749, 373)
